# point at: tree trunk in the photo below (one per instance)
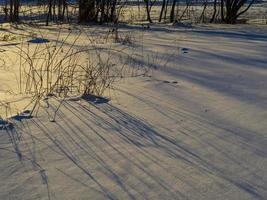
(14, 10)
(214, 11)
(172, 11)
(162, 9)
(48, 17)
(148, 9)
(222, 10)
(86, 10)
(232, 8)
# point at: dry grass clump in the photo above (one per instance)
(74, 65)
(8, 37)
(61, 69)
(125, 38)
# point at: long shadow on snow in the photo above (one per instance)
(248, 35)
(135, 132)
(140, 134)
(95, 119)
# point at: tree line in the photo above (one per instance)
(108, 11)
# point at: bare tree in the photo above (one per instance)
(149, 5)
(14, 10)
(162, 9)
(49, 13)
(214, 11)
(98, 10)
(172, 11)
(202, 16)
(6, 10)
(61, 9)
(87, 10)
(231, 9)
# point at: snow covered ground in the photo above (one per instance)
(194, 128)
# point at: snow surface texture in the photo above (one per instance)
(195, 129)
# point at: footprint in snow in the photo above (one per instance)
(173, 82)
(166, 81)
(185, 50)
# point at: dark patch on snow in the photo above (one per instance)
(183, 25)
(95, 99)
(24, 115)
(249, 189)
(166, 81)
(4, 125)
(185, 50)
(38, 40)
(43, 176)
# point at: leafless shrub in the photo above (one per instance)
(65, 66)
(60, 69)
(126, 38)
